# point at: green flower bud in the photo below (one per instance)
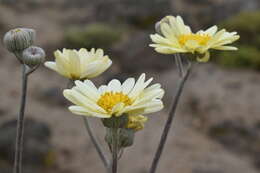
(16, 40)
(33, 56)
(116, 122)
(125, 137)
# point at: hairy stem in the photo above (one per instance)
(169, 121)
(114, 149)
(20, 125)
(179, 64)
(96, 144)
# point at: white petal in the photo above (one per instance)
(116, 110)
(74, 63)
(225, 48)
(128, 85)
(152, 109)
(78, 99)
(102, 89)
(51, 65)
(212, 30)
(83, 111)
(114, 85)
(87, 90)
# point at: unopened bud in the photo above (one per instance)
(126, 137)
(16, 40)
(33, 56)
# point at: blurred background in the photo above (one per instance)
(217, 127)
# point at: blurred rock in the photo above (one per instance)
(37, 147)
(136, 56)
(238, 138)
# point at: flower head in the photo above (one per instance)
(115, 99)
(175, 37)
(33, 56)
(18, 39)
(79, 65)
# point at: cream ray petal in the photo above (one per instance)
(51, 65)
(74, 63)
(103, 67)
(91, 69)
(61, 64)
(152, 87)
(154, 108)
(212, 30)
(77, 98)
(143, 106)
(116, 110)
(138, 85)
(102, 89)
(99, 53)
(114, 86)
(147, 97)
(87, 90)
(169, 50)
(90, 84)
(225, 48)
(168, 33)
(84, 111)
(160, 40)
(173, 25)
(128, 85)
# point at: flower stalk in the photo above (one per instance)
(96, 144)
(168, 124)
(115, 147)
(20, 123)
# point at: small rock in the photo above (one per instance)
(37, 147)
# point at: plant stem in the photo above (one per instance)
(169, 120)
(96, 144)
(20, 125)
(179, 64)
(114, 149)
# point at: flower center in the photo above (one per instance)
(109, 99)
(201, 39)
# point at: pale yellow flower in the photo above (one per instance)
(115, 99)
(176, 37)
(136, 122)
(82, 64)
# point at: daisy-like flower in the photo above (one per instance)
(79, 65)
(175, 37)
(115, 99)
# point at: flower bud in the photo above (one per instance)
(16, 40)
(33, 56)
(126, 137)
